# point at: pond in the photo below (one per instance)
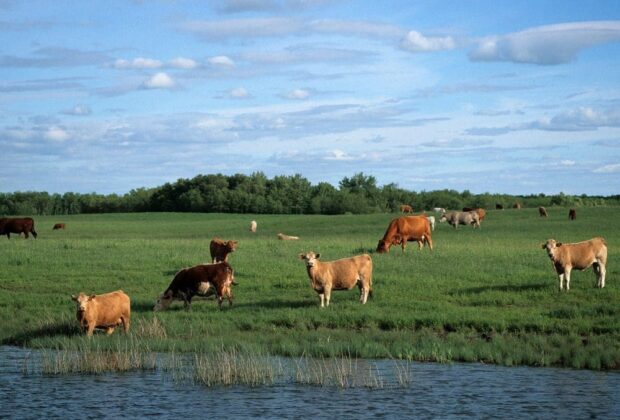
(433, 391)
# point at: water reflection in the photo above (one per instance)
(435, 391)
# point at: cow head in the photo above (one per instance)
(550, 246)
(443, 218)
(163, 301)
(231, 246)
(310, 258)
(383, 246)
(82, 301)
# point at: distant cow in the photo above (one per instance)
(468, 209)
(406, 208)
(572, 214)
(580, 255)
(220, 249)
(439, 210)
(516, 206)
(106, 311)
(456, 218)
(342, 274)
(431, 221)
(58, 226)
(201, 280)
(23, 225)
(284, 237)
(406, 228)
(499, 207)
(542, 212)
(253, 226)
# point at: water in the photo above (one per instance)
(435, 391)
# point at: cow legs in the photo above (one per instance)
(125, 322)
(109, 330)
(567, 277)
(599, 271)
(328, 293)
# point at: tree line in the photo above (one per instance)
(258, 194)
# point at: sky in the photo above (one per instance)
(515, 97)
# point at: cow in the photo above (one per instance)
(342, 274)
(439, 210)
(17, 225)
(406, 228)
(431, 221)
(572, 214)
(516, 206)
(542, 212)
(499, 207)
(58, 226)
(481, 213)
(469, 208)
(456, 218)
(106, 311)
(201, 280)
(580, 255)
(253, 226)
(284, 237)
(406, 208)
(220, 249)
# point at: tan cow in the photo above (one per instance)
(253, 226)
(106, 311)
(406, 208)
(220, 249)
(284, 237)
(542, 212)
(406, 228)
(580, 255)
(342, 274)
(481, 213)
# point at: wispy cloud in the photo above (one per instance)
(416, 42)
(613, 168)
(49, 57)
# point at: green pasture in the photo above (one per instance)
(487, 295)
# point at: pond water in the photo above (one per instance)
(434, 391)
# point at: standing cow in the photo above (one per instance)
(23, 225)
(406, 228)
(220, 249)
(106, 311)
(572, 214)
(456, 218)
(580, 255)
(542, 212)
(253, 226)
(406, 208)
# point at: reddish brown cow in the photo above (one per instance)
(199, 280)
(406, 228)
(23, 225)
(58, 226)
(220, 249)
(572, 214)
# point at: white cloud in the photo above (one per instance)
(183, 63)
(298, 94)
(160, 81)
(56, 134)
(239, 93)
(550, 44)
(608, 169)
(568, 162)
(138, 63)
(221, 61)
(416, 42)
(338, 154)
(78, 110)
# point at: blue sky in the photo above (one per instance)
(519, 97)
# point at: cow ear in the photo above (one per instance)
(74, 297)
(558, 244)
(91, 297)
(302, 256)
(317, 256)
(543, 246)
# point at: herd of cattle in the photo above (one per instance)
(109, 310)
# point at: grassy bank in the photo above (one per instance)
(482, 295)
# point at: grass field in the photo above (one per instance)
(486, 295)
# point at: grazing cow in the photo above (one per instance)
(499, 207)
(456, 218)
(58, 226)
(439, 210)
(481, 213)
(406, 228)
(342, 274)
(253, 226)
(199, 280)
(220, 249)
(284, 237)
(23, 225)
(572, 214)
(516, 206)
(106, 311)
(406, 208)
(469, 208)
(431, 221)
(542, 212)
(580, 255)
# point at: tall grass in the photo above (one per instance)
(488, 294)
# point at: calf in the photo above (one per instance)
(342, 274)
(58, 226)
(253, 226)
(17, 225)
(106, 311)
(201, 280)
(456, 218)
(542, 212)
(580, 255)
(220, 249)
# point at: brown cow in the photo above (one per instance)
(220, 249)
(342, 274)
(23, 225)
(58, 226)
(406, 208)
(572, 214)
(516, 206)
(499, 207)
(199, 280)
(106, 311)
(580, 255)
(542, 211)
(406, 228)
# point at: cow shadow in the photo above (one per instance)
(65, 327)
(518, 288)
(276, 304)
(364, 250)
